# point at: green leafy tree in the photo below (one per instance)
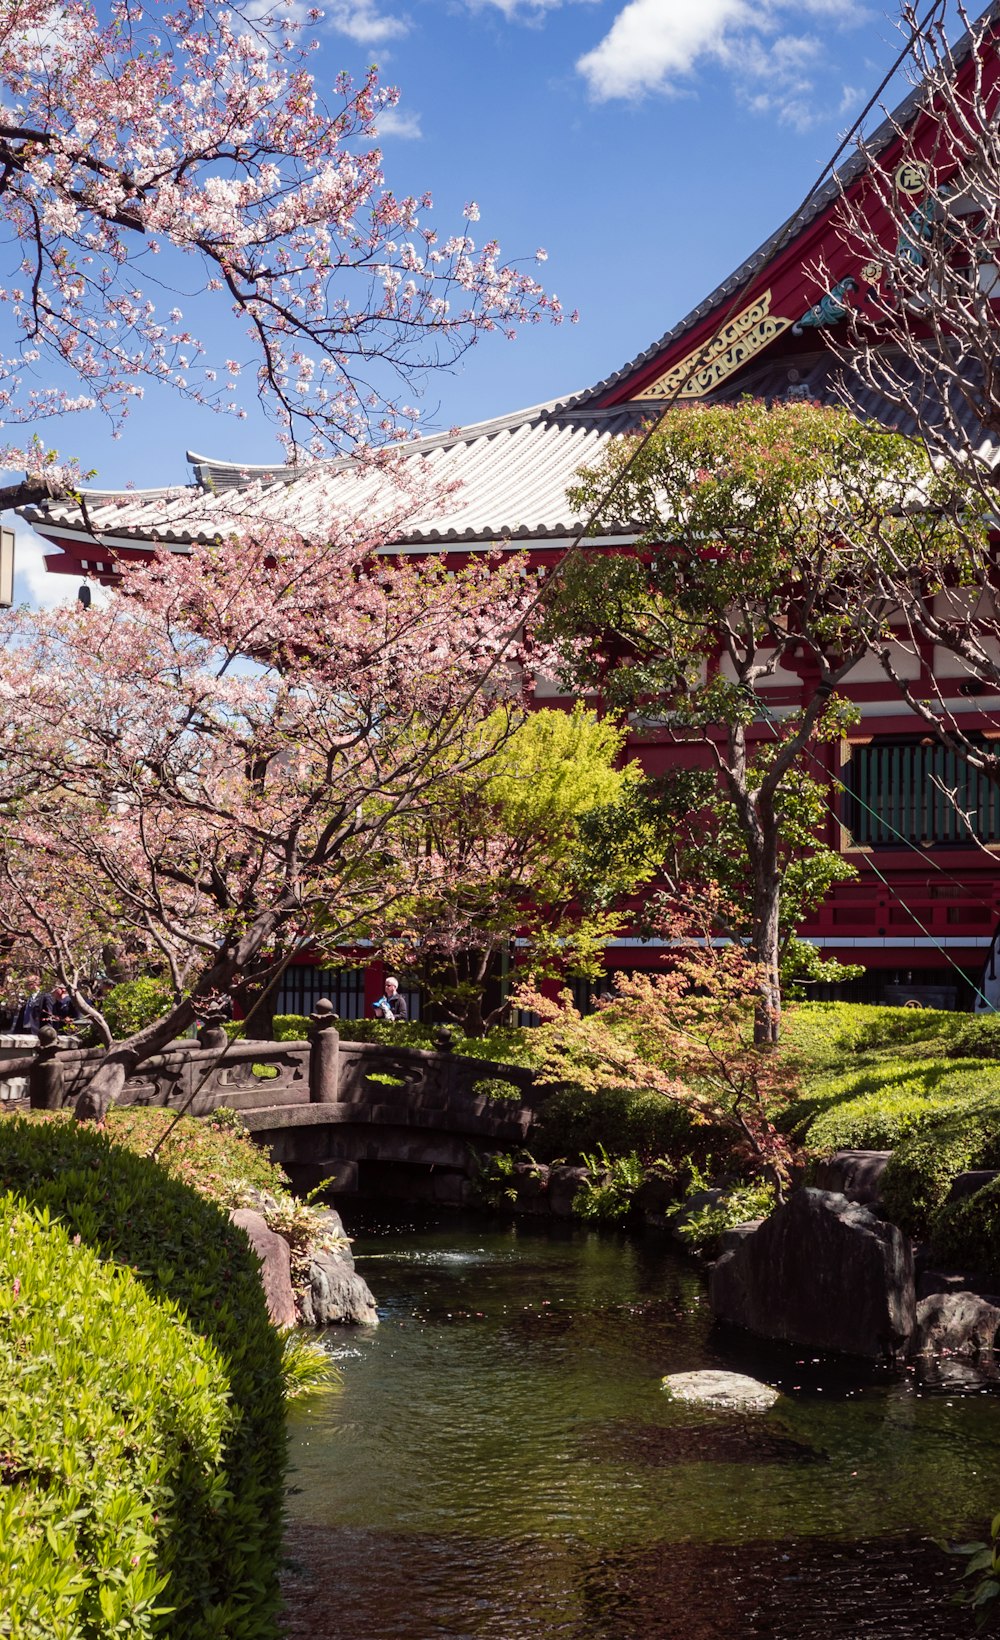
(526, 869)
(747, 601)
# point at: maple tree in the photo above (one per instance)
(685, 1034)
(144, 145)
(759, 531)
(214, 770)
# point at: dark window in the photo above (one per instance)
(303, 986)
(897, 792)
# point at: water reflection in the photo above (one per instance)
(502, 1463)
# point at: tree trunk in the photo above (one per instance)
(765, 933)
(123, 1059)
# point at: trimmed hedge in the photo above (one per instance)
(965, 1235)
(143, 1410)
(922, 1167)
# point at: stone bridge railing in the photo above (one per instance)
(325, 1108)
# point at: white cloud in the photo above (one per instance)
(363, 22)
(391, 123)
(658, 45)
(32, 582)
(653, 42)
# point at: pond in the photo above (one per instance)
(502, 1463)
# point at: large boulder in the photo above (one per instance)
(961, 1324)
(334, 1294)
(856, 1174)
(821, 1272)
(275, 1265)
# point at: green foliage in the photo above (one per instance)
(306, 1366)
(801, 966)
(217, 1157)
(923, 1165)
(982, 1573)
(824, 1035)
(547, 847)
(143, 1412)
(979, 1038)
(887, 1105)
(574, 1122)
(702, 1229)
(135, 1003)
(495, 1087)
(608, 1195)
(965, 1235)
(494, 1183)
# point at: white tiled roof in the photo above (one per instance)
(511, 474)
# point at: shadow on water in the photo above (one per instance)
(503, 1464)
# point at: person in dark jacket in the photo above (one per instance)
(33, 1010)
(391, 1006)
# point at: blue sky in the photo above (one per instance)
(647, 145)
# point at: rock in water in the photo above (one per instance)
(956, 1324)
(335, 1293)
(275, 1265)
(730, 1391)
(822, 1272)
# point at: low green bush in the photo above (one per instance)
(923, 1165)
(496, 1087)
(574, 1122)
(702, 1230)
(135, 1003)
(965, 1235)
(608, 1195)
(977, 1038)
(143, 1407)
(216, 1157)
(876, 1107)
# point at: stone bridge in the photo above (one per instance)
(368, 1117)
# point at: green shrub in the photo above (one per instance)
(574, 1122)
(135, 1003)
(876, 1107)
(215, 1157)
(407, 1033)
(703, 1229)
(158, 1357)
(495, 1087)
(873, 1121)
(825, 1035)
(965, 1235)
(608, 1195)
(922, 1167)
(978, 1038)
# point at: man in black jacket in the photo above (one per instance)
(391, 1006)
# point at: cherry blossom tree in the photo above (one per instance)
(145, 144)
(215, 769)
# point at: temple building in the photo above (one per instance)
(921, 912)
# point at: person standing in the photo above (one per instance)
(391, 1006)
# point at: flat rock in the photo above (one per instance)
(821, 1272)
(729, 1391)
(737, 1233)
(335, 1295)
(275, 1265)
(960, 1324)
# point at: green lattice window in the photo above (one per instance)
(897, 791)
